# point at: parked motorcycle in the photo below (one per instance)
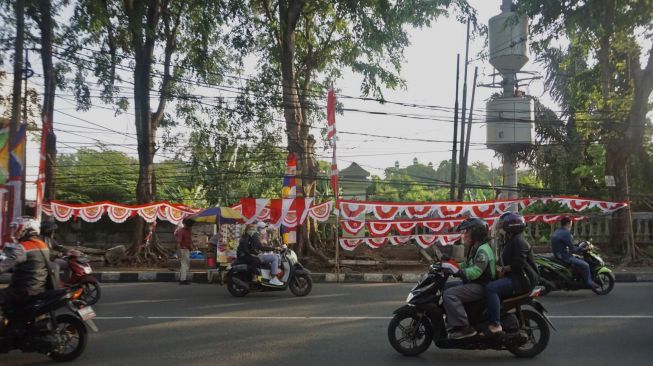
(293, 275)
(81, 273)
(34, 326)
(557, 275)
(421, 320)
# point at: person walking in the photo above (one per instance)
(184, 238)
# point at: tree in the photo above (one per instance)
(619, 36)
(307, 43)
(160, 43)
(92, 175)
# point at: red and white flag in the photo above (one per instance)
(40, 180)
(331, 134)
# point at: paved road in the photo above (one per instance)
(162, 324)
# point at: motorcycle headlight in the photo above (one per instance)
(409, 297)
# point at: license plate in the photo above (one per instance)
(86, 313)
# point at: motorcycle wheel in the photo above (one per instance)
(71, 336)
(91, 293)
(301, 285)
(605, 282)
(537, 332)
(234, 289)
(409, 334)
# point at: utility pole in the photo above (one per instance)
(452, 189)
(462, 120)
(463, 164)
(19, 9)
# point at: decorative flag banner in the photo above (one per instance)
(92, 212)
(16, 171)
(379, 228)
(46, 129)
(288, 191)
(424, 241)
(331, 135)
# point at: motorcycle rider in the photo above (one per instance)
(248, 249)
(562, 245)
(27, 256)
(47, 234)
(269, 256)
(518, 273)
(478, 269)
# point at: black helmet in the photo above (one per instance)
(48, 227)
(513, 222)
(478, 228)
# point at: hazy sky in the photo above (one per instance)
(429, 71)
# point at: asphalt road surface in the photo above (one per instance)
(159, 324)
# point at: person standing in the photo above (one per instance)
(184, 238)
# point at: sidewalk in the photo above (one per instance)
(162, 275)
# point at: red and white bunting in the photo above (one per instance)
(387, 212)
(379, 228)
(119, 214)
(350, 244)
(352, 210)
(435, 226)
(419, 211)
(61, 212)
(352, 227)
(92, 213)
(398, 240)
(483, 210)
(375, 242)
(322, 211)
(148, 213)
(451, 210)
(290, 220)
(448, 239)
(405, 227)
(426, 241)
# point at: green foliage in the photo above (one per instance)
(91, 175)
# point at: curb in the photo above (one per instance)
(202, 277)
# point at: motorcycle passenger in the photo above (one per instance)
(249, 248)
(518, 273)
(268, 256)
(477, 270)
(27, 256)
(562, 245)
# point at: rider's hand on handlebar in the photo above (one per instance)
(450, 267)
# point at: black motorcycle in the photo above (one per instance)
(294, 276)
(410, 332)
(34, 326)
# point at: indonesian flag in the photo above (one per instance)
(40, 180)
(331, 134)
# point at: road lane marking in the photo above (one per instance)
(208, 317)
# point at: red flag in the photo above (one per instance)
(331, 134)
(40, 180)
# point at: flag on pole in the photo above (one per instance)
(40, 180)
(331, 134)
(289, 190)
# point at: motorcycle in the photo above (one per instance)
(557, 275)
(34, 326)
(81, 273)
(293, 275)
(421, 321)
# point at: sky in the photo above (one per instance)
(429, 70)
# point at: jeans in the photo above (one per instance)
(583, 267)
(494, 291)
(184, 260)
(273, 259)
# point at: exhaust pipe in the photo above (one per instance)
(240, 282)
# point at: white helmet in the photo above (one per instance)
(261, 225)
(23, 227)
